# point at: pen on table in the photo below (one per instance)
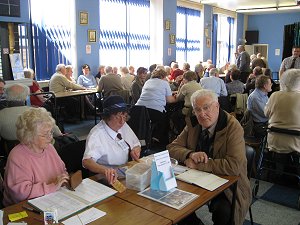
(31, 209)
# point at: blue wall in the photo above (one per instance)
(169, 13)
(207, 23)
(82, 35)
(271, 31)
(240, 29)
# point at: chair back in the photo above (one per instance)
(140, 123)
(250, 155)
(50, 102)
(7, 145)
(72, 155)
(225, 103)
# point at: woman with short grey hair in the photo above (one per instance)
(283, 112)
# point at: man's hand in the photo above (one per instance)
(190, 163)
(199, 157)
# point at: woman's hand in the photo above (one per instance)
(61, 179)
(111, 175)
(135, 153)
(199, 157)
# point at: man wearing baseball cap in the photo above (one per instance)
(111, 142)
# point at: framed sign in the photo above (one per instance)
(92, 36)
(167, 25)
(83, 18)
(206, 32)
(208, 42)
(172, 38)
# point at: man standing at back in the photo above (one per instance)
(292, 62)
(243, 63)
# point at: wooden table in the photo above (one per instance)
(79, 93)
(117, 211)
(176, 215)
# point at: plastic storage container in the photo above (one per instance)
(138, 177)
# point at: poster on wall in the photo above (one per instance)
(16, 66)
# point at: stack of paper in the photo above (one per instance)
(68, 202)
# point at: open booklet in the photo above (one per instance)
(69, 202)
(205, 180)
(174, 198)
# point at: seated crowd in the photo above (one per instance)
(207, 137)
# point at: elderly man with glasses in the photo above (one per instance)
(214, 143)
(111, 142)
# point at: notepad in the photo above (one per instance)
(69, 202)
(202, 179)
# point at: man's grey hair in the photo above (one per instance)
(17, 92)
(290, 80)
(59, 67)
(108, 69)
(213, 72)
(201, 93)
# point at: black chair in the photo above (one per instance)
(225, 103)
(6, 146)
(50, 102)
(250, 155)
(72, 155)
(140, 123)
(277, 163)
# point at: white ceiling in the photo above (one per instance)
(234, 5)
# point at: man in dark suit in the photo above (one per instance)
(243, 63)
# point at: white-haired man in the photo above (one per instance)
(60, 83)
(215, 144)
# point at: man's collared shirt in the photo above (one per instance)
(287, 62)
(256, 103)
(215, 84)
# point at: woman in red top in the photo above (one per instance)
(37, 100)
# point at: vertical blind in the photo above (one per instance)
(51, 35)
(188, 35)
(223, 40)
(125, 32)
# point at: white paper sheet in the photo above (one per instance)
(85, 217)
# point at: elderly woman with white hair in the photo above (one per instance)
(33, 167)
(283, 112)
(36, 100)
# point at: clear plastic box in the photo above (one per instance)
(138, 177)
